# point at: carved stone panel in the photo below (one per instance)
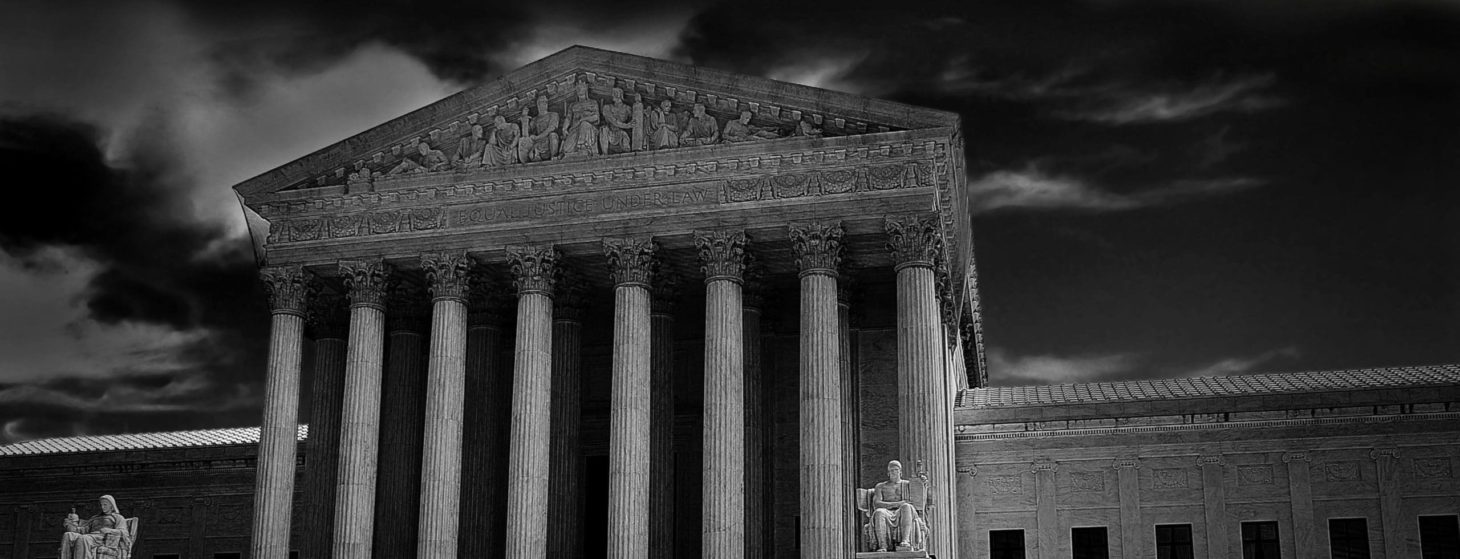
(1254, 474)
(1433, 468)
(1169, 478)
(1005, 485)
(1342, 471)
(1087, 481)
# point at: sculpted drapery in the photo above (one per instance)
(83, 539)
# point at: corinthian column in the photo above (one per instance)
(756, 533)
(534, 270)
(566, 494)
(921, 420)
(817, 248)
(485, 434)
(665, 293)
(446, 277)
(722, 257)
(631, 263)
(328, 321)
(279, 434)
(360, 418)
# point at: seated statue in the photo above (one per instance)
(894, 510)
(740, 130)
(105, 535)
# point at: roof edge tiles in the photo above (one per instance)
(1211, 387)
(141, 441)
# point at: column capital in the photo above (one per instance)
(1125, 463)
(1044, 465)
(722, 254)
(1378, 454)
(366, 281)
(969, 470)
(1210, 460)
(288, 288)
(328, 316)
(447, 274)
(817, 246)
(534, 268)
(914, 240)
(631, 260)
(664, 294)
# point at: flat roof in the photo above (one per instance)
(141, 441)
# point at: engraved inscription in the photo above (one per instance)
(1257, 474)
(581, 206)
(1168, 478)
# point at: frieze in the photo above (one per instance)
(1006, 485)
(1254, 474)
(920, 172)
(139, 467)
(1342, 471)
(585, 114)
(1168, 478)
(1087, 482)
(1433, 468)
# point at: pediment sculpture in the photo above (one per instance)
(893, 513)
(108, 534)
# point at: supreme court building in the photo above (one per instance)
(605, 302)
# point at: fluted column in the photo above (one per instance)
(922, 429)
(360, 418)
(565, 496)
(328, 321)
(534, 269)
(664, 295)
(402, 421)
(631, 263)
(849, 414)
(274, 488)
(446, 277)
(756, 532)
(489, 412)
(817, 248)
(722, 257)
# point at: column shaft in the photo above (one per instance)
(755, 453)
(724, 483)
(919, 371)
(274, 491)
(360, 424)
(1300, 494)
(323, 444)
(441, 452)
(528, 470)
(1046, 512)
(661, 466)
(628, 459)
(402, 425)
(566, 493)
(1131, 529)
(849, 422)
(484, 439)
(822, 523)
(1214, 500)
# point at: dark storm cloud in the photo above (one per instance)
(156, 266)
(1313, 147)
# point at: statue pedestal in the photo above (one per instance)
(892, 555)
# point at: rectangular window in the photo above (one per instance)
(1348, 538)
(1173, 541)
(1260, 540)
(1089, 543)
(1439, 537)
(1006, 544)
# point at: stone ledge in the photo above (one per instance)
(892, 555)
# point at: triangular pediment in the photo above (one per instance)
(455, 129)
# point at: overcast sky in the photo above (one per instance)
(1160, 189)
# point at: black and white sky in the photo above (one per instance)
(1161, 188)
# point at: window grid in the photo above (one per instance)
(1090, 543)
(1348, 538)
(1439, 537)
(1006, 544)
(1260, 540)
(1173, 541)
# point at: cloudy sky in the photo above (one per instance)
(1161, 189)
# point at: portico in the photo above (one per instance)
(557, 419)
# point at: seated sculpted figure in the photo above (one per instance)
(700, 129)
(103, 535)
(740, 130)
(539, 140)
(895, 523)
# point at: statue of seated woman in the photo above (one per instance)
(104, 535)
(895, 521)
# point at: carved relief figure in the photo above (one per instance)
(501, 147)
(740, 130)
(541, 140)
(806, 128)
(619, 123)
(663, 126)
(701, 129)
(469, 148)
(430, 160)
(104, 534)
(580, 131)
(895, 523)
